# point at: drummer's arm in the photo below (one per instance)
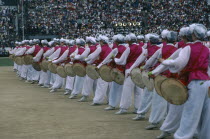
(139, 60)
(20, 52)
(152, 60)
(55, 54)
(180, 62)
(92, 57)
(62, 57)
(30, 50)
(108, 59)
(49, 52)
(122, 60)
(74, 54)
(38, 55)
(83, 55)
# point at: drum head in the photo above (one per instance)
(157, 82)
(42, 68)
(69, 70)
(174, 91)
(18, 60)
(61, 71)
(117, 76)
(79, 69)
(149, 83)
(28, 59)
(45, 64)
(52, 68)
(92, 72)
(22, 61)
(36, 66)
(105, 73)
(136, 77)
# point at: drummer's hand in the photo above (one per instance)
(72, 56)
(96, 69)
(150, 74)
(161, 60)
(142, 68)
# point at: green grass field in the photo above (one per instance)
(5, 61)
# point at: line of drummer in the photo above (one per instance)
(170, 77)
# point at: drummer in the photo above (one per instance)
(146, 99)
(69, 80)
(101, 56)
(172, 120)
(134, 58)
(89, 85)
(39, 58)
(193, 63)
(34, 50)
(116, 89)
(59, 48)
(25, 67)
(21, 52)
(50, 79)
(79, 57)
(12, 52)
(159, 105)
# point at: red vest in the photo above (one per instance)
(80, 51)
(167, 51)
(181, 44)
(105, 50)
(197, 66)
(135, 52)
(37, 49)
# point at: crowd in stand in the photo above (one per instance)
(7, 27)
(87, 16)
(68, 18)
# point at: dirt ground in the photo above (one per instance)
(31, 112)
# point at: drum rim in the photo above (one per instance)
(185, 91)
(79, 74)
(67, 73)
(91, 67)
(132, 78)
(100, 73)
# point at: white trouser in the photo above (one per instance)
(115, 94)
(24, 71)
(30, 72)
(43, 77)
(15, 66)
(205, 121)
(89, 86)
(101, 91)
(52, 79)
(192, 109)
(78, 84)
(19, 70)
(146, 102)
(47, 81)
(159, 108)
(126, 99)
(58, 82)
(35, 75)
(173, 118)
(69, 83)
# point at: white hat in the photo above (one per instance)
(171, 36)
(72, 42)
(140, 37)
(44, 42)
(164, 33)
(208, 34)
(199, 30)
(91, 40)
(154, 38)
(62, 40)
(104, 38)
(147, 37)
